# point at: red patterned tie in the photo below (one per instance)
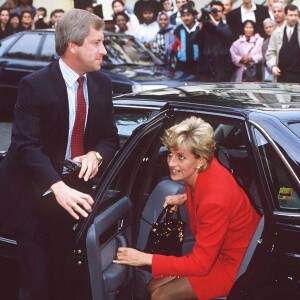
(78, 130)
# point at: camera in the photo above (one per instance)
(206, 11)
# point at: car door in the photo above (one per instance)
(274, 269)
(110, 224)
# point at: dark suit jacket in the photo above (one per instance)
(234, 20)
(40, 136)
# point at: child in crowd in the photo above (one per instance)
(148, 28)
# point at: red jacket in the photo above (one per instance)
(223, 222)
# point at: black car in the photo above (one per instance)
(257, 133)
(130, 66)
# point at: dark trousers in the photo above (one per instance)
(43, 245)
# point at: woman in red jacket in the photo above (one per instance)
(221, 218)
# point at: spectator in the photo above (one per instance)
(110, 26)
(227, 8)
(15, 23)
(55, 17)
(269, 27)
(24, 5)
(167, 7)
(138, 8)
(5, 29)
(175, 18)
(133, 22)
(185, 46)
(247, 11)
(279, 15)
(40, 20)
(283, 54)
(26, 20)
(214, 42)
(121, 20)
(9, 4)
(270, 7)
(97, 9)
(164, 38)
(148, 29)
(247, 50)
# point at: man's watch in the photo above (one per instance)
(98, 156)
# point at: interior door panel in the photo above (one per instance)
(110, 230)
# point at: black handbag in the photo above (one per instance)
(252, 73)
(166, 237)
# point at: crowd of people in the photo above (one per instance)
(217, 44)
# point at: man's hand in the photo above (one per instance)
(175, 200)
(276, 71)
(89, 165)
(132, 257)
(73, 201)
(213, 21)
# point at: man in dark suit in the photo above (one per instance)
(247, 11)
(63, 111)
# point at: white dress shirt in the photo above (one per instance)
(248, 14)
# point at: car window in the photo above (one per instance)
(295, 127)
(5, 43)
(127, 121)
(48, 50)
(25, 47)
(282, 186)
(125, 50)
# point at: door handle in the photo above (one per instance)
(121, 240)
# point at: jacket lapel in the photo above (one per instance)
(60, 91)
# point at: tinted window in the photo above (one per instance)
(282, 185)
(295, 127)
(48, 50)
(125, 50)
(5, 43)
(127, 121)
(25, 47)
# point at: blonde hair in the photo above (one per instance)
(194, 134)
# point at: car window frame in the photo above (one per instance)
(275, 208)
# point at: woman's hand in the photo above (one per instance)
(133, 257)
(175, 200)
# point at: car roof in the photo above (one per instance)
(245, 96)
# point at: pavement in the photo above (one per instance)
(5, 132)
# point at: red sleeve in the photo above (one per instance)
(212, 225)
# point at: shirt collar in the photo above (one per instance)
(244, 11)
(69, 75)
(192, 29)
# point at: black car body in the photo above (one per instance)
(130, 66)
(257, 132)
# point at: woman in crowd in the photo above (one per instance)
(164, 38)
(5, 29)
(121, 20)
(167, 6)
(269, 27)
(132, 23)
(247, 51)
(221, 219)
(14, 22)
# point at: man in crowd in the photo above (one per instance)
(63, 111)
(175, 18)
(185, 46)
(214, 42)
(279, 15)
(247, 11)
(55, 17)
(227, 8)
(26, 20)
(283, 54)
(24, 6)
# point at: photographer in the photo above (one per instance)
(40, 20)
(214, 43)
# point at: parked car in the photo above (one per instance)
(257, 133)
(131, 66)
